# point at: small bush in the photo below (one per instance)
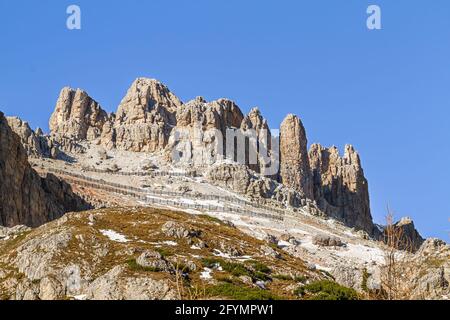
(211, 262)
(365, 277)
(327, 290)
(300, 278)
(260, 267)
(237, 292)
(164, 252)
(133, 265)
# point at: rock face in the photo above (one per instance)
(241, 179)
(409, 237)
(78, 116)
(151, 118)
(25, 197)
(340, 188)
(145, 116)
(295, 171)
(35, 143)
(201, 132)
(260, 141)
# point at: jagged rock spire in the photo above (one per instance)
(294, 164)
(340, 188)
(77, 115)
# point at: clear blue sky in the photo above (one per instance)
(386, 92)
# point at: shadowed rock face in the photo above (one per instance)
(25, 197)
(340, 188)
(409, 238)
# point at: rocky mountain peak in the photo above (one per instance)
(77, 115)
(144, 96)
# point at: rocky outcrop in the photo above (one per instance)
(150, 118)
(34, 143)
(242, 180)
(25, 197)
(200, 135)
(145, 117)
(340, 188)
(78, 116)
(258, 141)
(426, 274)
(295, 171)
(407, 237)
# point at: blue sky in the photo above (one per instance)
(387, 92)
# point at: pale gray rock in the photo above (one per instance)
(177, 230)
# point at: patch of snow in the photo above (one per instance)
(114, 236)
(282, 243)
(362, 253)
(206, 274)
(221, 254)
(194, 247)
(80, 297)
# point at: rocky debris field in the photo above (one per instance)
(144, 253)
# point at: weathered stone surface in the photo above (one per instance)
(25, 197)
(340, 188)
(295, 170)
(145, 116)
(154, 260)
(242, 180)
(200, 135)
(258, 141)
(176, 230)
(327, 241)
(77, 116)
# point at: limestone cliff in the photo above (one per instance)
(295, 170)
(25, 197)
(340, 188)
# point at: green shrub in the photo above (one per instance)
(239, 292)
(133, 265)
(260, 267)
(211, 262)
(365, 277)
(164, 252)
(300, 278)
(327, 290)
